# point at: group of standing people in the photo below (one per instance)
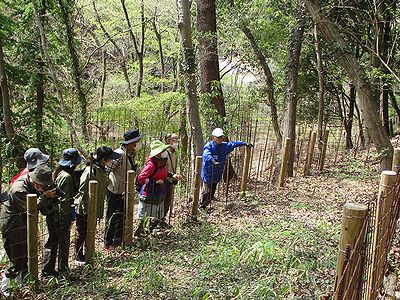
(63, 196)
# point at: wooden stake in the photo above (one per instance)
(285, 155)
(323, 152)
(396, 159)
(196, 186)
(350, 261)
(245, 173)
(310, 153)
(91, 220)
(129, 204)
(32, 227)
(381, 237)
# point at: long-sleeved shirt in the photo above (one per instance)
(82, 197)
(214, 157)
(117, 171)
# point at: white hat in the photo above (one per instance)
(217, 132)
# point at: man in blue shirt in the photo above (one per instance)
(214, 157)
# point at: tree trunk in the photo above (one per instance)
(160, 51)
(369, 107)
(75, 66)
(348, 124)
(64, 112)
(139, 49)
(5, 95)
(39, 105)
(385, 108)
(183, 136)
(320, 71)
(103, 76)
(189, 72)
(119, 50)
(360, 127)
(395, 106)
(210, 84)
(291, 89)
(269, 80)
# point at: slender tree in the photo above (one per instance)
(291, 89)
(138, 45)
(189, 73)
(48, 61)
(76, 72)
(357, 74)
(210, 84)
(5, 96)
(269, 80)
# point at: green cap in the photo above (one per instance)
(42, 175)
(157, 147)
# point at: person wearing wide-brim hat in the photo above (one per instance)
(33, 157)
(116, 187)
(153, 188)
(96, 171)
(13, 219)
(59, 221)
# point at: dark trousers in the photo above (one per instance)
(207, 194)
(57, 241)
(168, 198)
(81, 232)
(114, 219)
(15, 244)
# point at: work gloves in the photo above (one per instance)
(249, 145)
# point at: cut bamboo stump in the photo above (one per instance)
(196, 186)
(91, 220)
(32, 227)
(380, 239)
(129, 204)
(245, 173)
(349, 268)
(396, 159)
(285, 156)
(323, 152)
(310, 154)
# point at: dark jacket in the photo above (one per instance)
(13, 215)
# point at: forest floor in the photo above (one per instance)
(275, 244)
(270, 245)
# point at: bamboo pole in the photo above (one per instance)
(350, 260)
(273, 159)
(32, 227)
(258, 171)
(285, 155)
(129, 204)
(310, 153)
(245, 173)
(196, 186)
(338, 146)
(91, 220)
(323, 152)
(396, 159)
(381, 238)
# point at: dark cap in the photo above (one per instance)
(34, 157)
(70, 158)
(105, 152)
(42, 175)
(3, 197)
(132, 136)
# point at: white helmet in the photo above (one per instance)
(217, 132)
